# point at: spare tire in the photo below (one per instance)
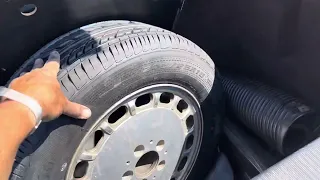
(144, 85)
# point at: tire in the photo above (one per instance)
(100, 64)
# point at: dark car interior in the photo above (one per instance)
(266, 55)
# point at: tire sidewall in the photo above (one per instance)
(106, 89)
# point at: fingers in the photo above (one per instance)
(38, 64)
(23, 73)
(53, 63)
(76, 110)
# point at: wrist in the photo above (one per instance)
(24, 114)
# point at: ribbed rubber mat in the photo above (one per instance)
(282, 121)
(302, 165)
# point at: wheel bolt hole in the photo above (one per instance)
(166, 97)
(127, 175)
(116, 115)
(182, 105)
(143, 100)
(190, 122)
(81, 169)
(139, 151)
(160, 145)
(161, 165)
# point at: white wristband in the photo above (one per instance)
(32, 104)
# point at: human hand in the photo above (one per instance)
(42, 85)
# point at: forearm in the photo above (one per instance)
(16, 122)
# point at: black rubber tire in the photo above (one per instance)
(101, 63)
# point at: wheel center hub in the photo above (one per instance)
(146, 164)
(146, 145)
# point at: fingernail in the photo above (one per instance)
(86, 113)
(54, 55)
(38, 61)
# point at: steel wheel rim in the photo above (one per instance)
(160, 158)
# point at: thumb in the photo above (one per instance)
(76, 110)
